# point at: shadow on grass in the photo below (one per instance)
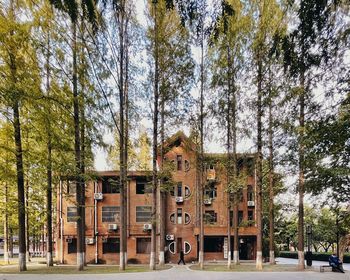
(64, 269)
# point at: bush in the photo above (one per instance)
(319, 256)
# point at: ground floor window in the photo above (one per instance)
(143, 245)
(72, 245)
(111, 245)
(213, 244)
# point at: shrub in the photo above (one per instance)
(319, 256)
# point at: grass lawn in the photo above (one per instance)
(65, 269)
(247, 267)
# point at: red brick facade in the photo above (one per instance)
(182, 216)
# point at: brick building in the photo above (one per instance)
(181, 211)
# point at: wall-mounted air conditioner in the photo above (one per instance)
(170, 237)
(112, 227)
(147, 227)
(251, 203)
(179, 199)
(98, 196)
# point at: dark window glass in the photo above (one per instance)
(250, 193)
(143, 245)
(72, 246)
(179, 162)
(110, 185)
(142, 187)
(72, 214)
(240, 195)
(187, 165)
(187, 192)
(213, 244)
(110, 214)
(210, 191)
(172, 191)
(231, 218)
(187, 218)
(143, 214)
(179, 216)
(240, 217)
(210, 217)
(250, 215)
(179, 189)
(111, 246)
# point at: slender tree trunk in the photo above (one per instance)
(122, 138)
(155, 144)
(19, 156)
(259, 166)
(301, 260)
(6, 235)
(10, 243)
(27, 207)
(162, 221)
(77, 150)
(201, 154)
(271, 186)
(49, 258)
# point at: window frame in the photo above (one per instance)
(107, 250)
(144, 221)
(70, 218)
(116, 215)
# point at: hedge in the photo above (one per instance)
(320, 256)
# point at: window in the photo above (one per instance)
(240, 217)
(210, 217)
(231, 218)
(240, 195)
(250, 193)
(71, 187)
(187, 165)
(250, 215)
(110, 185)
(143, 245)
(187, 218)
(179, 216)
(72, 246)
(179, 162)
(179, 189)
(142, 188)
(143, 214)
(111, 246)
(172, 191)
(172, 218)
(187, 192)
(172, 247)
(210, 192)
(213, 244)
(187, 248)
(110, 214)
(72, 214)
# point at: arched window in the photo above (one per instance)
(187, 192)
(187, 218)
(172, 218)
(172, 247)
(188, 247)
(187, 165)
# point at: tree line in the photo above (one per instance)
(271, 74)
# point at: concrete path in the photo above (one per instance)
(184, 273)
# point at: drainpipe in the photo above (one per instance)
(95, 225)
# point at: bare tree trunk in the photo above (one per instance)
(301, 260)
(271, 186)
(155, 144)
(259, 166)
(27, 213)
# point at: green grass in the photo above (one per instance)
(64, 269)
(247, 268)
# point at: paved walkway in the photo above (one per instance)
(184, 273)
(315, 264)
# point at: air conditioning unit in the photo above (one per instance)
(179, 199)
(170, 237)
(207, 201)
(98, 196)
(147, 227)
(90, 241)
(69, 240)
(104, 239)
(251, 203)
(112, 227)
